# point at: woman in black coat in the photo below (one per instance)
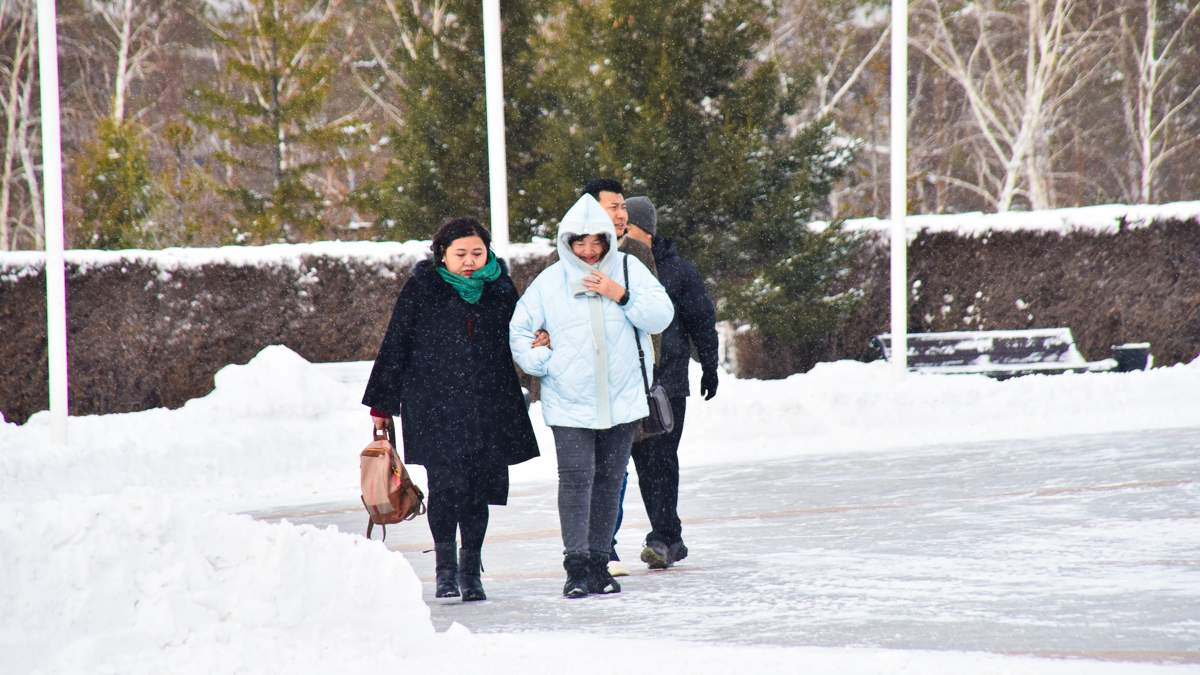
(445, 367)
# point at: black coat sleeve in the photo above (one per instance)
(385, 388)
(699, 317)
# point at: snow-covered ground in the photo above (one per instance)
(125, 553)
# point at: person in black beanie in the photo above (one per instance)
(657, 457)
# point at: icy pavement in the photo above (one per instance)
(1083, 546)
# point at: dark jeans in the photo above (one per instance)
(657, 462)
(590, 465)
(612, 553)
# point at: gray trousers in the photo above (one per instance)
(591, 465)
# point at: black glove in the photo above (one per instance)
(708, 384)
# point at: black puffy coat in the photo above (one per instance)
(694, 323)
(446, 368)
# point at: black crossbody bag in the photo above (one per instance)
(662, 418)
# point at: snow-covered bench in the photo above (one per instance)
(1008, 353)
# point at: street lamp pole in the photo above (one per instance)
(494, 97)
(56, 295)
(899, 185)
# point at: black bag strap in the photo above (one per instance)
(637, 338)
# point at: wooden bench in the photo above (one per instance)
(1008, 353)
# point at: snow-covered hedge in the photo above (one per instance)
(150, 328)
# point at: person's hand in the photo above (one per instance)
(604, 285)
(541, 339)
(708, 384)
(380, 422)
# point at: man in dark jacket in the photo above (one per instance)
(657, 457)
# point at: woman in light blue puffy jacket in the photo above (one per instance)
(574, 328)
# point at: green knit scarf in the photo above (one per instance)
(471, 288)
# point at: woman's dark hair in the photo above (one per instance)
(457, 228)
(580, 237)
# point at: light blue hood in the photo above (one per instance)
(586, 216)
(591, 377)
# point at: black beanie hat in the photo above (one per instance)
(643, 214)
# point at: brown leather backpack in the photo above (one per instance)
(388, 493)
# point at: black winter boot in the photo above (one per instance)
(576, 565)
(656, 555)
(470, 565)
(447, 570)
(599, 581)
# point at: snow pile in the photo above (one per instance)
(121, 553)
(1103, 219)
(99, 584)
(275, 429)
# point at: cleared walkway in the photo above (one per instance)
(1086, 546)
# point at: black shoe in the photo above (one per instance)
(656, 555)
(470, 566)
(447, 570)
(599, 581)
(576, 565)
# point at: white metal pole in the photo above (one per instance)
(56, 295)
(494, 97)
(899, 186)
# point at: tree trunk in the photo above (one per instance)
(13, 124)
(122, 79)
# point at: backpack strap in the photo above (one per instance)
(371, 526)
(637, 338)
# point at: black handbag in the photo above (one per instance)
(662, 418)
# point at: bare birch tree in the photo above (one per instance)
(135, 34)
(403, 25)
(839, 48)
(834, 42)
(20, 193)
(1155, 93)
(1019, 65)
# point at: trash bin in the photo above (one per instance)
(1132, 356)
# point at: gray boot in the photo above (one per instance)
(447, 570)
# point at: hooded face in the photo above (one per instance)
(589, 248)
(590, 226)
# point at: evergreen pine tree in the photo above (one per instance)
(679, 100)
(118, 192)
(439, 163)
(269, 111)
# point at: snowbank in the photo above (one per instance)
(852, 406)
(1106, 218)
(138, 581)
(121, 553)
(18, 263)
(281, 431)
